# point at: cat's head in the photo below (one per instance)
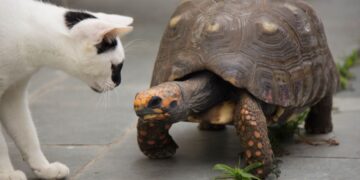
(98, 51)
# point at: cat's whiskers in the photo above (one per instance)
(117, 96)
(102, 97)
(127, 45)
(106, 87)
(100, 101)
(107, 101)
(133, 45)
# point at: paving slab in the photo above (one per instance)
(198, 152)
(41, 78)
(346, 132)
(74, 157)
(70, 107)
(319, 169)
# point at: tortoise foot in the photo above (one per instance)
(162, 152)
(319, 130)
(211, 127)
(263, 171)
(154, 139)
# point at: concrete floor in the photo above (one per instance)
(95, 134)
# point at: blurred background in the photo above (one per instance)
(95, 134)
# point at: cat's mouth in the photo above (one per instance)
(100, 89)
(96, 90)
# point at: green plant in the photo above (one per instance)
(344, 69)
(279, 133)
(237, 173)
(282, 132)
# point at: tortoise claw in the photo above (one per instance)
(162, 152)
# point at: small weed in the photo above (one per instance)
(283, 132)
(237, 173)
(344, 69)
(279, 133)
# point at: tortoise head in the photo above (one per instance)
(160, 103)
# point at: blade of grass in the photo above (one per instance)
(252, 166)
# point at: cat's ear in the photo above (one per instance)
(116, 19)
(121, 31)
(95, 30)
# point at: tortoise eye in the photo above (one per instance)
(173, 104)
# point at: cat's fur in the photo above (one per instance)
(33, 35)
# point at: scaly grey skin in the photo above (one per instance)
(161, 106)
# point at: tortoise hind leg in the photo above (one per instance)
(154, 139)
(251, 126)
(319, 118)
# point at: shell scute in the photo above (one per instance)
(275, 49)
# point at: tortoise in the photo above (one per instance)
(247, 63)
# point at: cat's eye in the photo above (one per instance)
(106, 45)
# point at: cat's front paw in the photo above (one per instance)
(54, 170)
(13, 175)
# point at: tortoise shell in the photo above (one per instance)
(276, 49)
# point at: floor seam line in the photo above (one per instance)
(104, 151)
(44, 89)
(74, 145)
(319, 157)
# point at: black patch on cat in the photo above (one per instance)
(106, 45)
(74, 17)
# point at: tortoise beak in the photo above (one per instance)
(150, 114)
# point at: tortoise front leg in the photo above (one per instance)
(154, 139)
(251, 126)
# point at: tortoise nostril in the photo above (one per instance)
(155, 101)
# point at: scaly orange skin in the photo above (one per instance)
(154, 139)
(168, 95)
(251, 126)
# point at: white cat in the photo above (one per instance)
(33, 35)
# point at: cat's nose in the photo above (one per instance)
(116, 73)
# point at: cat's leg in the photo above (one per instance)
(7, 171)
(16, 119)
